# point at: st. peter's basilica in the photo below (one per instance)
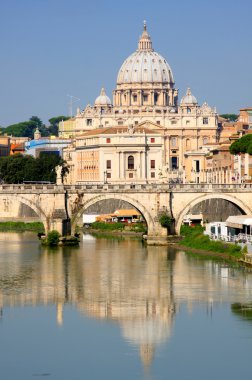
(146, 134)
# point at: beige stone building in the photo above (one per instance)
(145, 106)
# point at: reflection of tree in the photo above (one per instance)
(243, 310)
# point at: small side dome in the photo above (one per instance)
(102, 99)
(188, 99)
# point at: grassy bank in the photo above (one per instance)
(194, 238)
(21, 226)
(118, 227)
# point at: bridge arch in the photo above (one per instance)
(136, 204)
(27, 202)
(205, 197)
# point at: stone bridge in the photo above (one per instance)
(48, 201)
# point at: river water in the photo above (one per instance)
(116, 309)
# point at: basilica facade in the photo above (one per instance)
(145, 133)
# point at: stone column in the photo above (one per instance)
(168, 151)
(239, 168)
(139, 165)
(180, 152)
(246, 165)
(152, 98)
(164, 98)
(140, 98)
(144, 174)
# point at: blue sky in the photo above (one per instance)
(54, 48)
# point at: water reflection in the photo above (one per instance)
(140, 288)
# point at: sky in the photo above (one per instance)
(54, 49)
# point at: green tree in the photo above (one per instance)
(165, 220)
(243, 145)
(230, 116)
(26, 128)
(54, 124)
(19, 168)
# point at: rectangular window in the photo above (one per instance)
(145, 98)
(134, 98)
(108, 164)
(108, 175)
(205, 120)
(158, 122)
(130, 175)
(152, 175)
(136, 122)
(108, 140)
(152, 164)
(174, 163)
(152, 140)
(197, 166)
(173, 141)
(89, 122)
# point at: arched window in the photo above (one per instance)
(205, 140)
(130, 162)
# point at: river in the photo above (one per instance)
(116, 309)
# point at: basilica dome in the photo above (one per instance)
(145, 65)
(102, 99)
(188, 99)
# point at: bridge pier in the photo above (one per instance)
(56, 225)
(157, 235)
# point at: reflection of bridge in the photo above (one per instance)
(48, 201)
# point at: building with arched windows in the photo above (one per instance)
(145, 108)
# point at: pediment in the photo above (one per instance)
(151, 125)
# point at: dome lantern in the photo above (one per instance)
(145, 42)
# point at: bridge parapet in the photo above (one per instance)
(122, 187)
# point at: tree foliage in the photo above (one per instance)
(243, 145)
(54, 124)
(165, 220)
(230, 116)
(27, 128)
(53, 238)
(19, 168)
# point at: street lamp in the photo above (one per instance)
(105, 177)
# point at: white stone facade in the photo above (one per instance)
(145, 94)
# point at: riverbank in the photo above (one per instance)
(134, 229)
(200, 245)
(18, 226)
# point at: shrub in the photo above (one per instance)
(108, 226)
(165, 220)
(53, 238)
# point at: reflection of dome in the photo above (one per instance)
(150, 331)
(188, 98)
(147, 353)
(145, 65)
(102, 99)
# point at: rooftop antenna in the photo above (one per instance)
(73, 99)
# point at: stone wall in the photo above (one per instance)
(108, 206)
(214, 210)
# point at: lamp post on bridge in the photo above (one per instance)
(105, 177)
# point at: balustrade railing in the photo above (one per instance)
(243, 238)
(198, 187)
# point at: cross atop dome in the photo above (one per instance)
(145, 42)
